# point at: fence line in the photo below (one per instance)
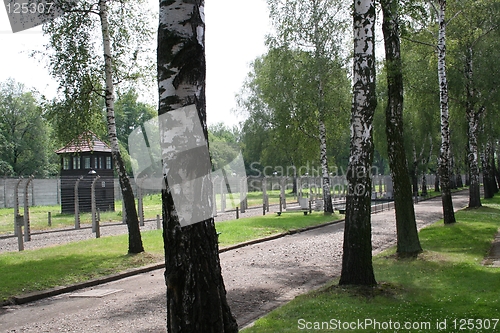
(44, 192)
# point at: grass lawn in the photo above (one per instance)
(446, 289)
(34, 270)
(234, 232)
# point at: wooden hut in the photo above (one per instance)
(82, 160)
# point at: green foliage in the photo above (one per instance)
(223, 145)
(471, 24)
(281, 97)
(26, 146)
(76, 61)
(298, 84)
(130, 114)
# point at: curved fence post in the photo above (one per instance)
(92, 204)
(16, 205)
(27, 231)
(77, 204)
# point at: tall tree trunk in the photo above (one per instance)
(497, 168)
(408, 243)
(357, 267)
(489, 191)
(327, 196)
(459, 181)
(444, 158)
(424, 185)
(134, 232)
(196, 295)
(492, 165)
(319, 56)
(436, 182)
(414, 167)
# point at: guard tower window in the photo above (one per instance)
(66, 163)
(87, 162)
(76, 162)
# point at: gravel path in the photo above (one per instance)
(258, 278)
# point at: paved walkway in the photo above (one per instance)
(258, 278)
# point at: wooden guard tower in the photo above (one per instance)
(82, 160)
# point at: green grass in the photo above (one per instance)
(446, 282)
(34, 270)
(242, 230)
(49, 267)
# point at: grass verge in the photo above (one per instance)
(446, 289)
(35, 270)
(238, 231)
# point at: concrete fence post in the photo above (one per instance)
(16, 205)
(93, 204)
(27, 226)
(77, 204)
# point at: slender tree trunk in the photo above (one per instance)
(408, 243)
(196, 296)
(497, 168)
(134, 232)
(357, 267)
(327, 196)
(453, 176)
(424, 185)
(436, 182)
(319, 56)
(492, 165)
(414, 168)
(489, 191)
(444, 158)
(459, 181)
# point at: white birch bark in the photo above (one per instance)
(444, 160)
(196, 296)
(327, 197)
(473, 118)
(357, 267)
(135, 241)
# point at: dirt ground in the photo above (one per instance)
(258, 278)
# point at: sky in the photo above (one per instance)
(235, 34)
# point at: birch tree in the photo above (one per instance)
(316, 27)
(407, 236)
(472, 30)
(196, 296)
(134, 233)
(279, 96)
(444, 156)
(83, 77)
(357, 267)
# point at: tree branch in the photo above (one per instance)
(419, 42)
